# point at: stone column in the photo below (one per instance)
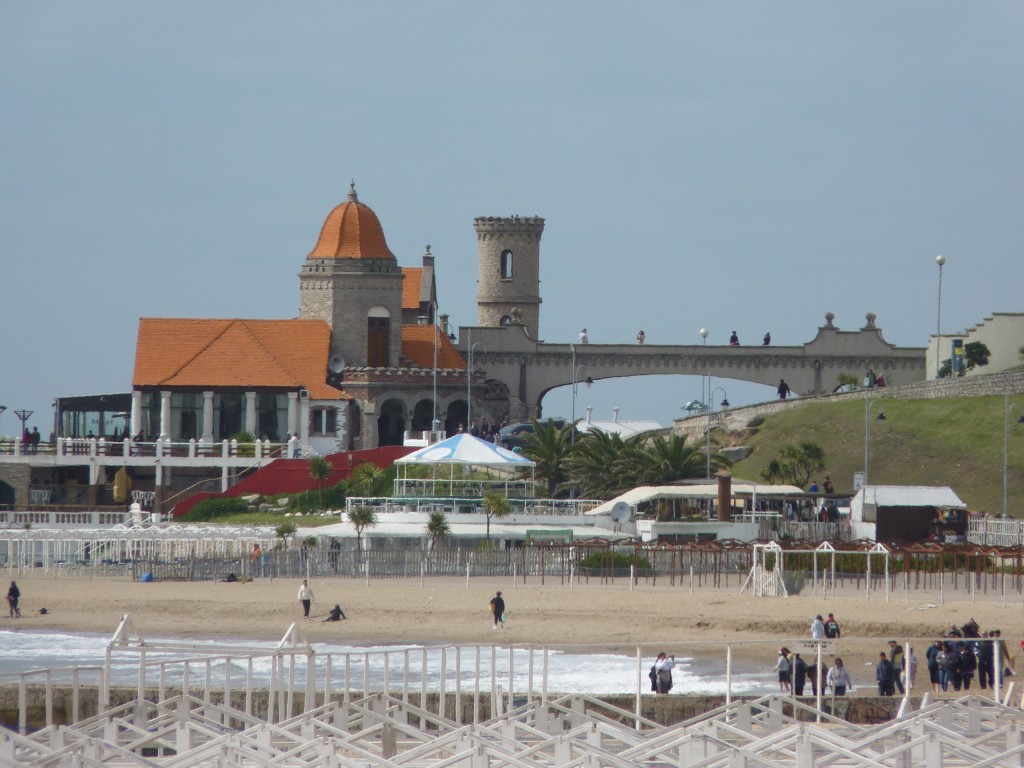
(165, 415)
(250, 425)
(208, 418)
(304, 422)
(136, 426)
(293, 412)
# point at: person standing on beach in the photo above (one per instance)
(305, 598)
(838, 678)
(931, 657)
(799, 675)
(13, 596)
(896, 657)
(832, 628)
(498, 611)
(817, 628)
(664, 666)
(884, 675)
(782, 667)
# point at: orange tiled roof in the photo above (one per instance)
(412, 287)
(351, 231)
(418, 346)
(222, 354)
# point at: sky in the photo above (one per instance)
(699, 164)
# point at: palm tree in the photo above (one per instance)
(663, 460)
(366, 480)
(437, 528)
(549, 447)
(496, 504)
(594, 463)
(362, 517)
(320, 469)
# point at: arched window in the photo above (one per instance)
(506, 265)
(505, 320)
(378, 338)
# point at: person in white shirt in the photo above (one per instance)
(584, 339)
(305, 598)
(839, 679)
(818, 628)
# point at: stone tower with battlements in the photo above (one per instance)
(509, 286)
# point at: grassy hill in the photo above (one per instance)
(954, 441)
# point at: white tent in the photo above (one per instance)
(647, 493)
(466, 449)
(468, 453)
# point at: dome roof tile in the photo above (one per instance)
(351, 231)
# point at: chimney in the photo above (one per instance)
(724, 497)
(428, 258)
(590, 413)
(615, 415)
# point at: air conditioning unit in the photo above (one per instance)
(304, 394)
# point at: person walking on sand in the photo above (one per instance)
(305, 598)
(13, 596)
(818, 628)
(498, 611)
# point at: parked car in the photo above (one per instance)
(512, 435)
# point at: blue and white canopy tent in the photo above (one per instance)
(452, 461)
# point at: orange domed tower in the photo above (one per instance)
(352, 281)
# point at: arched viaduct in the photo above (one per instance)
(528, 368)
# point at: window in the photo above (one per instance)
(506, 265)
(323, 421)
(505, 320)
(378, 336)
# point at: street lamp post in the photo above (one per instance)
(940, 260)
(469, 383)
(704, 335)
(23, 415)
(1006, 448)
(711, 409)
(869, 403)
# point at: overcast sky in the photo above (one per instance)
(746, 166)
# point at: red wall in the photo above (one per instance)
(292, 475)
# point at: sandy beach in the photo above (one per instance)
(606, 617)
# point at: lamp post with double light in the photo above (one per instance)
(469, 383)
(1006, 449)
(711, 410)
(869, 403)
(940, 260)
(575, 378)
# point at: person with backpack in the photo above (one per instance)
(497, 605)
(662, 671)
(831, 626)
(898, 665)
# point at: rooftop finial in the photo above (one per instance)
(352, 196)
(428, 249)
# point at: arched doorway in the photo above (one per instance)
(391, 423)
(422, 415)
(6, 496)
(455, 417)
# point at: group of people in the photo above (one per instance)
(795, 673)
(485, 430)
(965, 652)
(306, 601)
(30, 440)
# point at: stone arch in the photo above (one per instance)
(455, 415)
(423, 415)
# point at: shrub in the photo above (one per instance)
(334, 498)
(208, 509)
(794, 581)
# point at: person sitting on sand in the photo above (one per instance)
(336, 614)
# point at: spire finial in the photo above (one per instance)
(428, 249)
(352, 196)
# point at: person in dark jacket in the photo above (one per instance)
(896, 657)
(932, 659)
(986, 670)
(966, 667)
(799, 675)
(13, 596)
(884, 675)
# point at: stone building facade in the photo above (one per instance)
(509, 285)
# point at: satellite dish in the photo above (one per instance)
(621, 513)
(336, 364)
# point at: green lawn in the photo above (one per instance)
(951, 441)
